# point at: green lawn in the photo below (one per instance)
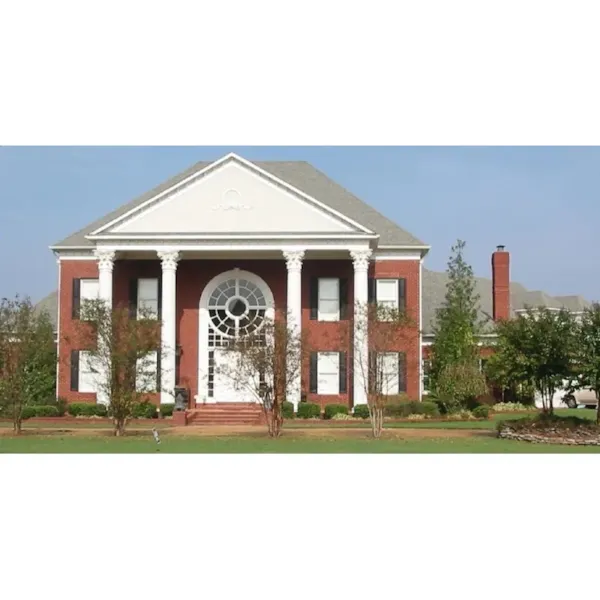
(234, 445)
(142, 441)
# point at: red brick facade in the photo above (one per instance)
(192, 278)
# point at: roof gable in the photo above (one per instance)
(298, 174)
(231, 196)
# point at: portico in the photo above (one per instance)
(291, 258)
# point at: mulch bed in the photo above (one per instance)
(569, 431)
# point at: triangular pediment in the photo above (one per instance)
(232, 197)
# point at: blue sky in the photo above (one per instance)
(542, 203)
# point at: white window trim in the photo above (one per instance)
(83, 284)
(141, 300)
(328, 365)
(86, 383)
(150, 363)
(389, 304)
(425, 376)
(323, 315)
(389, 378)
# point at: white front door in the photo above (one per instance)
(227, 385)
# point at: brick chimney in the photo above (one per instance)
(501, 284)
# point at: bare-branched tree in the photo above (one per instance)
(26, 343)
(380, 331)
(266, 363)
(122, 356)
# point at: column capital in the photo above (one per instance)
(169, 259)
(361, 259)
(106, 259)
(293, 259)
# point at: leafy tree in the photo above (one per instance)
(537, 348)
(264, 363)
(457, 326)
(27, 358)
(379, 329)
(587, 352)
(459, 384)
(122, 356)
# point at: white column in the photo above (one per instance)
(293, 260)
(361, 343)
(169, 259)
(106, 259)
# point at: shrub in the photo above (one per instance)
(429, 409)
(45, 411)
(287, 409)
(307, 410)
(27, 412)
(485, 400)
(510, 407)
(82, 409)
(61, 406)
(414, 407)
(166, 410)
(335, 409)
(442, 404)
(481, 412)
(101, 410)
(416, 417)
(342, 417)
(144, 410)
(460, 415)
(361, 411)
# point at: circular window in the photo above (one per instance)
(237, 308)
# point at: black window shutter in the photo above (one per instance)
(401, 372)
(372, 297)
(314, 375)
(76, 298)
(160, 297)
(372, 374)
(343, 299)
(343, 373)
(74, 370)
(158, 374)
(133, 298)
(401, 294)
(314, 298)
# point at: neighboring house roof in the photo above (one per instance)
(434, 292)
(298, 174)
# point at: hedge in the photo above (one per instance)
(145, 410)
(287, 409)
(413, 407)
(361, 411)
(307, 410)
(29, 412)
(335, 409)
(86, 409)
(166, 410)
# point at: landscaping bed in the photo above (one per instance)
(551, 429)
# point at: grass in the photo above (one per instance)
(238, 445)
(425, 424)
(73, 438)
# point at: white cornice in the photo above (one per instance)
(200, 237)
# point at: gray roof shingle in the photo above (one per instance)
(434, 292)
(300, 175)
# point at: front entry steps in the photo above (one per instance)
(229, 413)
